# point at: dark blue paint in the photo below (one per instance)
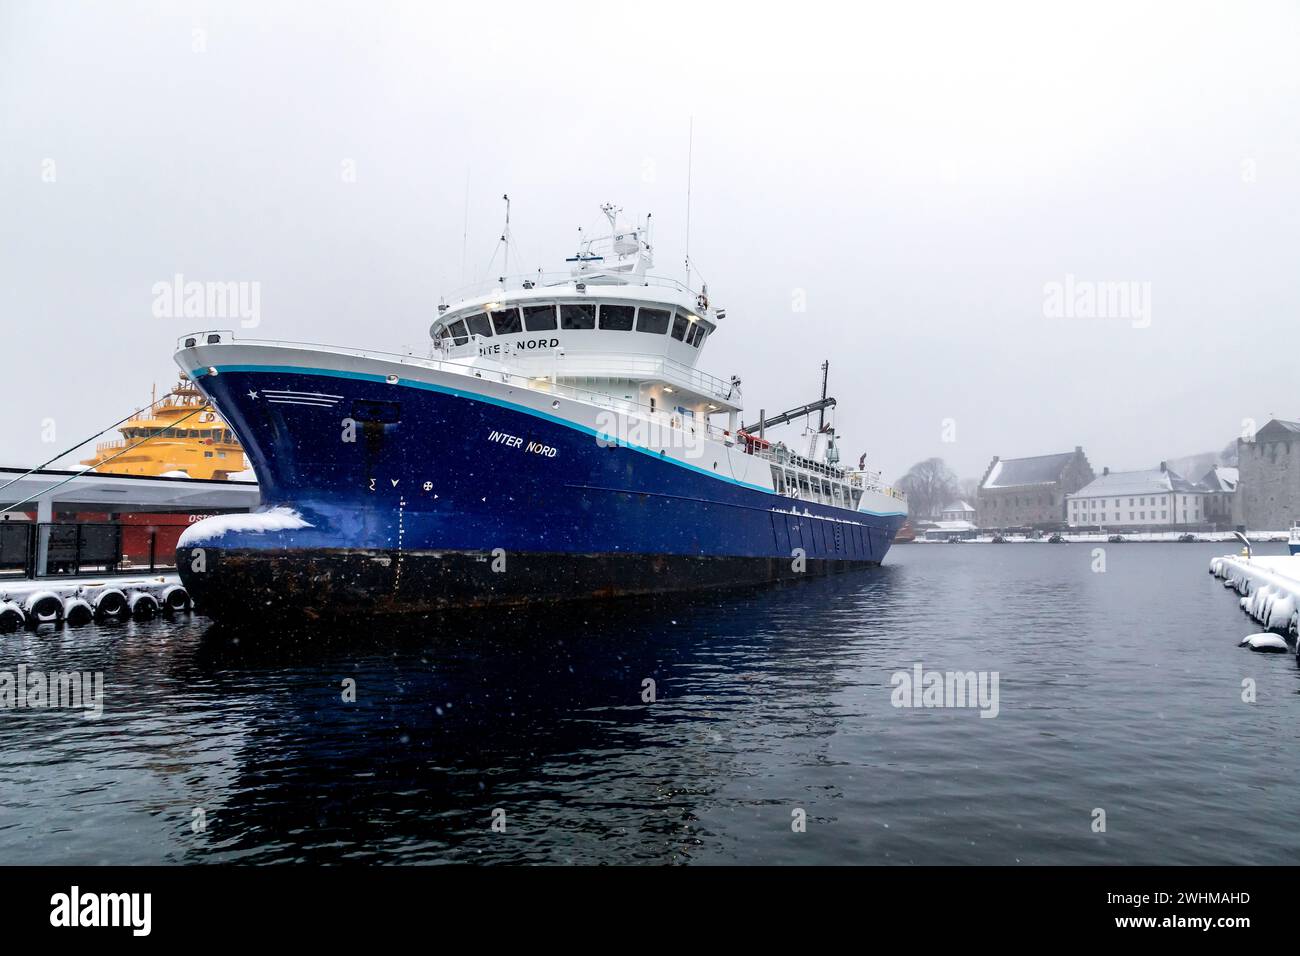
(588, 498)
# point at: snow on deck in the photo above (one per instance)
(1269, 588)
(279, 518)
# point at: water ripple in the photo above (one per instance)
(1119, 691)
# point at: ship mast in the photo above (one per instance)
(821, 415)
(505, 237)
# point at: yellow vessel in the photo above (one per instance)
(185, 438)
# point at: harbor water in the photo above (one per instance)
(755, 727)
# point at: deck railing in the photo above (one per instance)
(578, 363)
(549, 385)
(548, 280)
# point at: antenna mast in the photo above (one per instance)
(690, 151)
(464, 236)
(821, 415)
(505, 236)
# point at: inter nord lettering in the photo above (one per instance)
(514, 441)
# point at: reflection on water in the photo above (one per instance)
(1119, 690)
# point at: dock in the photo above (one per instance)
(60, 524)
(75, 601)
(1269, 587)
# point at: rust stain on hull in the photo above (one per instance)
(335, 584)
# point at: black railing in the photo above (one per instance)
(17, 548)
(32, 550)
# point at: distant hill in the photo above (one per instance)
(1193, 467)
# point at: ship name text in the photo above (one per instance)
(514, 441)
(519, 345)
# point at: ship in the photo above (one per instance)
(180, 436)
(558, 442)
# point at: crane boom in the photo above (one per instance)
(791, 415)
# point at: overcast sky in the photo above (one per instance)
(919, 174)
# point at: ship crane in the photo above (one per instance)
(789, 416)
(820, 405)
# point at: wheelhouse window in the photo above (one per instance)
(478, 324)
(539, 318)
(578, 315)
(459, 334)
(696, 335)
(679, 326)
(506, 322)
(617, 317)
(654, 321)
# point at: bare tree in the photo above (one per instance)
(929, 485)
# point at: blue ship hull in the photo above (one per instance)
(433, 504)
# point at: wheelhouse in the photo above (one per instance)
(611, 334)
(519, 318)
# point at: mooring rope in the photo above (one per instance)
(149, 438)
(86, 441)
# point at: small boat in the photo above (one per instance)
(1293, 539)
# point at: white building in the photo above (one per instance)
(1132, 499)
(958, 511)
(948, 530)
